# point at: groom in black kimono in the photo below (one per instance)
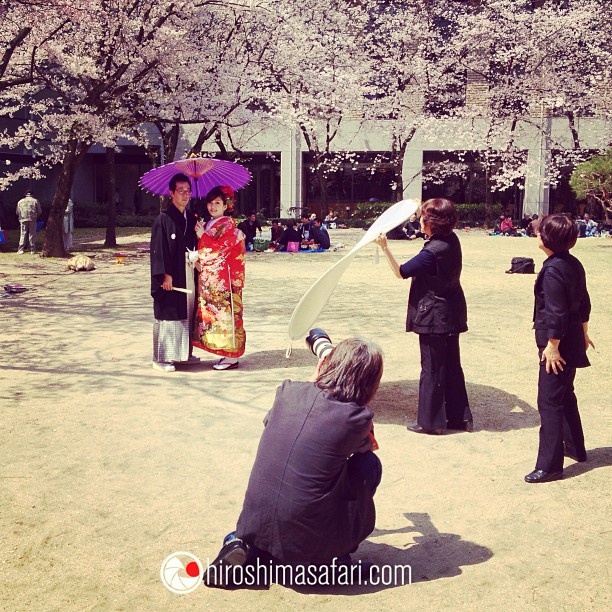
(172, 237)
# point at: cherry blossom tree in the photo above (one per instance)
(93, 71)
(310, 72)
(539, 60)
(527, 61)
(208, 84)
(416, 76)
(88, 83)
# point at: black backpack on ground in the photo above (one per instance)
(521, 265)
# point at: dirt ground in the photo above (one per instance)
(108, 466)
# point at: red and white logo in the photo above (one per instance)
(181, 573)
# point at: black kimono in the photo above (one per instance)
(172, 234)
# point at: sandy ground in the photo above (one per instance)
(109, 466)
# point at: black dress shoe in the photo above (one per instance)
(542, 476)
(219, 572)
(416, 428)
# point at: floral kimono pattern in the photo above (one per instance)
(218, 324)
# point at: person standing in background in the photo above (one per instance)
(68, 226)
(28, 211)
(249, 227)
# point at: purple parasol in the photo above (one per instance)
(203, 172)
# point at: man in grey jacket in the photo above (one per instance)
(28, 211)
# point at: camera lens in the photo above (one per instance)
(319, 342)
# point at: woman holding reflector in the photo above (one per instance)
(437, 312)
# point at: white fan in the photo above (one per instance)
(312, 303)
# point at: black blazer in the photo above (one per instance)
(302, 504)
(562, 305)
(436, 304)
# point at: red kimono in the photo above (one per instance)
(218, 324)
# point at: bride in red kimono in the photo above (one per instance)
(218, 325)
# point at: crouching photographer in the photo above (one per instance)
(310, 497)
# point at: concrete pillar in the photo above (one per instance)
(291, 176)
(412, 171)
(537, 183)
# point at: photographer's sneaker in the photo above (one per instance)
(219, 572)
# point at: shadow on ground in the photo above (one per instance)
(493, 409)
(596, 458)
(426, 555)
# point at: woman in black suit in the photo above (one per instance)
(437, 312)
(561, 315)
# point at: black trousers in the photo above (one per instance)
(365, 470)
(443, 400)
(559, 418)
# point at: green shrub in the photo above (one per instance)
(370, 210)
(474, 214)
(92, 214)
(355, 222)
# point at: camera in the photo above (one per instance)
(319, 342)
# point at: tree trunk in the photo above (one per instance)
(488, 222)
(205, 133)
(399, 146)
(572, 126)
(169, 136)
(54, 238)
(111, 234)
(322, 183)
(397, 159)
(398, 152)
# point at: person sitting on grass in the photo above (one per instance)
(525, 221)
(249, 227)
(413, 228)
(276, 231)
(305, 228)
(507, 227)
(497, 225)
(319, 234)
(289, 235)
(590, 226)
(533, 227)
(310, 497)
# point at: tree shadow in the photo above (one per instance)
(277, 360)
(596, 458)
(430, 555)
(396, 402)
(493, 409)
